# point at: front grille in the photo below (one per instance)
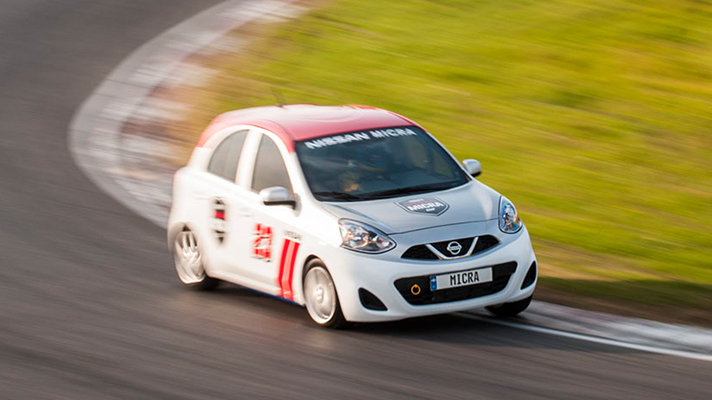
(421, 252)
(465, 245)
(500, 277)
(485, 242)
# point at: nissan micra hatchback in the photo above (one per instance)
(354, 212)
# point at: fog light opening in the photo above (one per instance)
(530, 278)
(370, 301)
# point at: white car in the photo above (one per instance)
(355, 212)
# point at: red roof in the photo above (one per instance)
(294, 123)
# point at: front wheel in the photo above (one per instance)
(510, 309)
(321, 298)
(189, 262)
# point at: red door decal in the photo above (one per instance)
(262, 244)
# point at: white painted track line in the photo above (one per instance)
(592, 339)
(95, 133)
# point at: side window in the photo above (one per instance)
(269, 167)
(424, 158)
(227, 155)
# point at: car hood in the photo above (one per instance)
(472, 202)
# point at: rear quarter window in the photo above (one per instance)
(270, 169)
(226, 156)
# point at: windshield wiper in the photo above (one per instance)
(337, 196)
(410, 190)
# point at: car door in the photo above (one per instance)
(219, 204)
(275, 237)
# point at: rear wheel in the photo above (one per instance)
(510, 309)
(321, 298)
(189, 262)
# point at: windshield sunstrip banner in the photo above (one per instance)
(358, 137)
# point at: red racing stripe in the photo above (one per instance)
(284, 282)
(286, 268)
(282, 258)
(295, 249)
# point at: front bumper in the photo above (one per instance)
(352, 271)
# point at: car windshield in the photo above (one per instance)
(377, 164)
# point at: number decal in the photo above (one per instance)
(262, 243)
(218, 219)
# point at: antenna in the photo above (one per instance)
(278, 97)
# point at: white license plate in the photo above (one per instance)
(462, 278)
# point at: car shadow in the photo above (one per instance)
(471, 330)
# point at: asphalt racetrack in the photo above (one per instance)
(90, 307)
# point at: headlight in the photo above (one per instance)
(509, 221)
(364, 238)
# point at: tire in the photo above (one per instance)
(188, 262)
(510, 309)
(321, 298)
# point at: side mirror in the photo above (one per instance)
(277, 196)
(473, 167)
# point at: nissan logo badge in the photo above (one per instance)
(454, 248)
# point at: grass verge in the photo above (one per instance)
(593, 117)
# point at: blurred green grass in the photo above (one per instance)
(592, 117)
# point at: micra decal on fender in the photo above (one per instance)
(424, 205)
